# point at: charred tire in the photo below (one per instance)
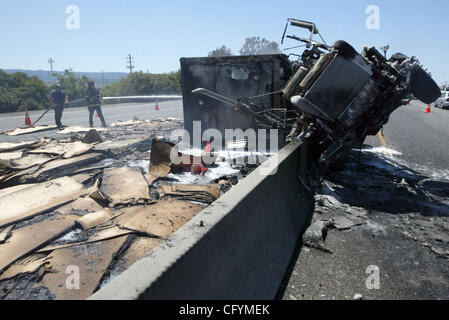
(345, 49)
(423, 86)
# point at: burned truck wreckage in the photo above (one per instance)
(142, 219)
(331, 94)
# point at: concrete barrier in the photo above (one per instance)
(237, 248)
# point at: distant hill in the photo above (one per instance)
(46, 76)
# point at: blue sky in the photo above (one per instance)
(158, 33)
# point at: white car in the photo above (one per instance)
(443, 101)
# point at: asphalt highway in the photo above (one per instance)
(80, 117)
(422, 138)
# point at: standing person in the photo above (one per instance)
(58, 98)
(93, 100)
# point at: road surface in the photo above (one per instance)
(383, 216)
(422, 138)
(80, 117)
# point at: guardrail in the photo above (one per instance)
(113, 100)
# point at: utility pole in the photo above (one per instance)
(129, 61)
(51, 61)
(102, 77)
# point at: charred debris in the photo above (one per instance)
(97, 200)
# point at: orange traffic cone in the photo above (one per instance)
(156, 107)
(428, 109)
(207, 149)
(27, 118)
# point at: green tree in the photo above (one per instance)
(139, 83)
(75, 87)
(17, 79)
(223, 51)
(256, 45)
(19, 92)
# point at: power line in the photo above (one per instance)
(130, 65)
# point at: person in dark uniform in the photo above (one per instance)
(93, 100)
(58, 98)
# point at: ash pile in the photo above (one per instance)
(76, 212)
(377, 214)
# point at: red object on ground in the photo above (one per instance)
(156, 107)
(428, 109)
(96, 114)
(198, 169)
(27, 118)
